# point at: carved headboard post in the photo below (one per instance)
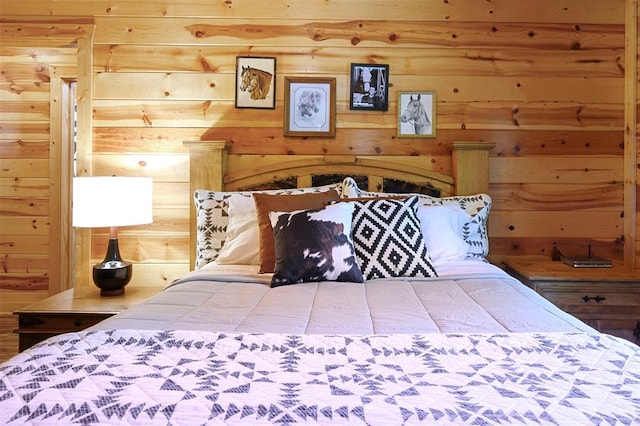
(470, 162)
(207, 169)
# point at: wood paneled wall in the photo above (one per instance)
(543, 80)
(28, 200)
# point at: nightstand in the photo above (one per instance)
(608, 299)
(73, 310)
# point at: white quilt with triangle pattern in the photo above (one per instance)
(195, 377)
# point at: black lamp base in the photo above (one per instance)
(113, 274)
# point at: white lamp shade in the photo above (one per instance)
(112, 201)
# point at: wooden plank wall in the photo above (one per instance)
(544, 80)
(25, 181)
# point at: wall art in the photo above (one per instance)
(309, 106)
(369, 87)
(417, 114)
(255, 82)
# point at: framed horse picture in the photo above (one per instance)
(309, 106)
(369, 87)
(255, 82)
(416, 115)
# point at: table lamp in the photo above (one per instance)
(111, 201)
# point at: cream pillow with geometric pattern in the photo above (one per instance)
(212, 217)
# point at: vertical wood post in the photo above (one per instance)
(470, 161)
(631, 244)
(207, 169)
(84, 155)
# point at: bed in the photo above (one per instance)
(370, 307)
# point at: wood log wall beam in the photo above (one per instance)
(42, 31)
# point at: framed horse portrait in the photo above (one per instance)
(255, 82)
(309, 106)
(416, 115)
(369, 87)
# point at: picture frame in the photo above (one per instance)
(255, 82)
(417, 114)
(369, 87)
(309, 106)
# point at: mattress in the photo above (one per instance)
(468, 296)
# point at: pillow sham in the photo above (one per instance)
(212, 217)
(314, 245)
(473, 232)
(265, 203)
(441, 228)
(388, 240)
(240, 246)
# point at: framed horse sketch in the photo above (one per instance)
(309, 106)
(416, 115)
(369, 87)
(255, 82)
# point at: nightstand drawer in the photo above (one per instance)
(591, 298)
(34, 328)
(73, 310)
(28, 323)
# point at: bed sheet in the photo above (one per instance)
(469, 296)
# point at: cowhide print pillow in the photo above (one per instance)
(388, 239)
(314, 245)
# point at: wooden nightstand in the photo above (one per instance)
(73, 310)
(608, 299)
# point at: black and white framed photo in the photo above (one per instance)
(255, 82)
(309, 106)
(369, 87)
(417, 114)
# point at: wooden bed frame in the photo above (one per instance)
(213, 167)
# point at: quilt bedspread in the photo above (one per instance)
(195, 377)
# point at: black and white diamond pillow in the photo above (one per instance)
(388, 240)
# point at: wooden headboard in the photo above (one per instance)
(213, 167)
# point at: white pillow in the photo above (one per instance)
(442, 230)
(241, 246)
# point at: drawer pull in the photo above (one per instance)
(598, 299)
(25, 321)
(77, 322)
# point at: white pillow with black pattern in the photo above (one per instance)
(440, 227)
(240, 246)
(212, 217)
(388, 239)
(473, 232)
(314, 245)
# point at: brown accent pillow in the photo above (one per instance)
(266, 203)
